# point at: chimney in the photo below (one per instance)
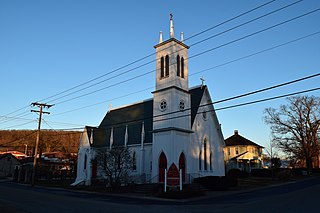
(236, 132)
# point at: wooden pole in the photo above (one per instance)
(38, 137)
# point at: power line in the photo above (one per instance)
(149, 62)
(149, 55)
(196, 55)
(204, 70)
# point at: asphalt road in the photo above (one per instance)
(301, 196)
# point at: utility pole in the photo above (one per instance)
(41, 106)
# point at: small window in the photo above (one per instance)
(228, 150)
(210, 161)
(163, 105)
(237, 151)
(181, 105)
(167, 66)
(200, 162)
(85, 162)
(134, 162)
(178, 65)
(182, 67)
(162, 67)
(204, 115)
(205, 154)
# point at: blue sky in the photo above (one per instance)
(47, 47)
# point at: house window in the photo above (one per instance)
(134, 161)
(228, 150)
(167, 66)
(237, 150)
(162, 67)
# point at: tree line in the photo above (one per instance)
(50, 141)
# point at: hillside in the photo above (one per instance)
(50, 141)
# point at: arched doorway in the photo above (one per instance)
(162, 166)
(182, 166)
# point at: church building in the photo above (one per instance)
(175, 130)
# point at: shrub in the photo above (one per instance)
(216, 183)
(237, 173)
(261, 173)
(284, 175)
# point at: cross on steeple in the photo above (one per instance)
(202, 81)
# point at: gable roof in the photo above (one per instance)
(238, 140)
(133, 116)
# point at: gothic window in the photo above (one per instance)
(162, 67)
(205, 154)
(163, 105)
(167, 66)
(182, 67)
(134, 161)
(210, 161)
(85, 162)
(200, 162)
(178, 65)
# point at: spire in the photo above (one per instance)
(160, 39)
(171, 26)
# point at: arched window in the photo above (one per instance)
(182, 67)
(178, 65)
(205, 154)
(210, 161)
(134, 161)
(167, 66)
(85, 161)
(162, 67)
(162, 166)
(200, 162)
(182, 166)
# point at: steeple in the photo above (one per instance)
(171, 26)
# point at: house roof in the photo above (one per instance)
(238, 140)
(133, 116)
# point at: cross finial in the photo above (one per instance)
(202, 81)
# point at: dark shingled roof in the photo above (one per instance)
(133, 116)
(238, 140)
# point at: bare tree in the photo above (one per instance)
(295, 128)
(115, 163)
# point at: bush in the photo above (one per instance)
(261, 173)
(216, 183)
(284, 175)
(237, 173)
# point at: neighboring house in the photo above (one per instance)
(17, 154)
(176, 130)
(8, 165)
(242, 153)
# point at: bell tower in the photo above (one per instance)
(171, 97)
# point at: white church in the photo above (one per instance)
(175, 130)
